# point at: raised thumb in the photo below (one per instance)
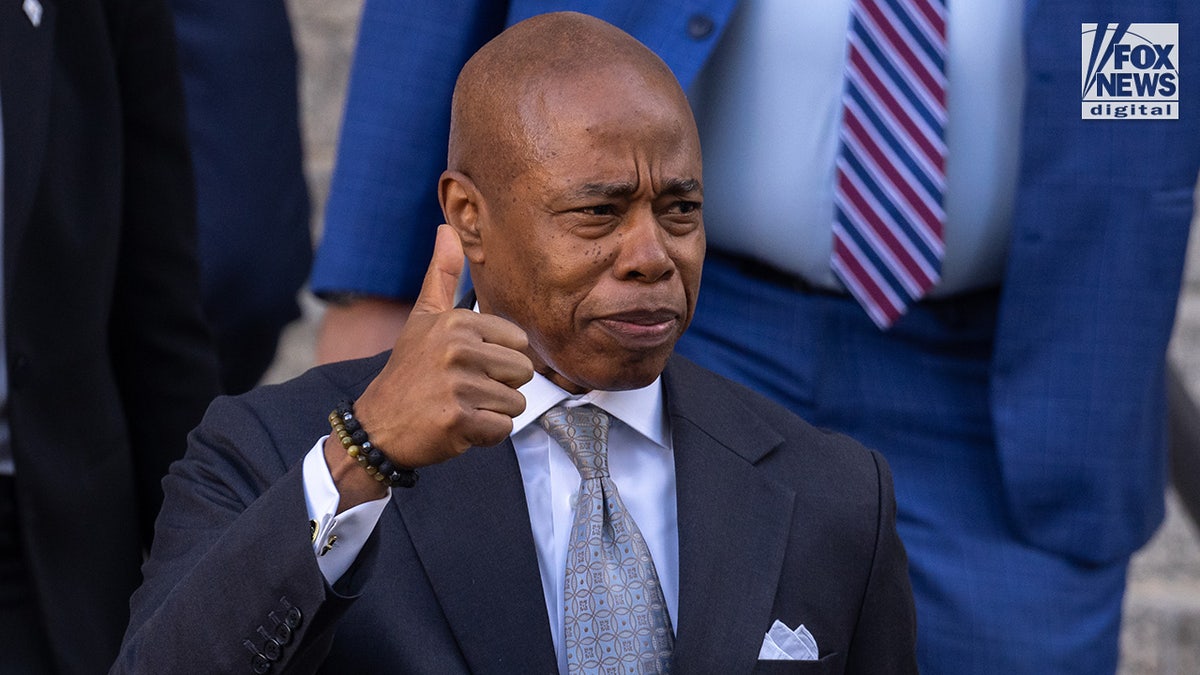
(441, 279)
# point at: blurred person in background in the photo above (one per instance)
(239, 77)
(107, 360)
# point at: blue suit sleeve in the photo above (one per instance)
(383, 209)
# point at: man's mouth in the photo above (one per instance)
(641, 329)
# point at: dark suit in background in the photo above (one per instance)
(109, 360)
(777, 520)
(239, 75)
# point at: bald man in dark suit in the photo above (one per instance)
(574, 189)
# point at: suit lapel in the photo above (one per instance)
(469, 523)
(733, 524)
(26, 78)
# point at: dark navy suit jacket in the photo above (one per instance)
(1090, 286)
(777, 520)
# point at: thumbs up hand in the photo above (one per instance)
(451, 382)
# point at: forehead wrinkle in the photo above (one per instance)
(615, 189)
(681, 186)
(606, 189)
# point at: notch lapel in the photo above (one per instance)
(734, 523)
(469, 523)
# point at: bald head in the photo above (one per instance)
(508, 89)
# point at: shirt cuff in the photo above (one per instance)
(337, 538)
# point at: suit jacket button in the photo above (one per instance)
(260, 664)
(699, 27)
(283, 634)
(271, 649)
(293, 618)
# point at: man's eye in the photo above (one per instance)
(598, 210)
(684, 207)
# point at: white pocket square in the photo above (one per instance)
(784, 644)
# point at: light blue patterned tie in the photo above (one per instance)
(616, 618)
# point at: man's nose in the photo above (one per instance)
(644, 255)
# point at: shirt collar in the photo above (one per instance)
(640, 409)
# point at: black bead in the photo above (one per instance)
(358, 436)
(353, 425)
(386, 468)
(405, 479)
(374, 457)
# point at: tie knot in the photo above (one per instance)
(583, 432)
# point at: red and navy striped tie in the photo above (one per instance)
(887, 231)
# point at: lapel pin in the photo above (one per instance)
(33, 10)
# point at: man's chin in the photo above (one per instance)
(614, 374)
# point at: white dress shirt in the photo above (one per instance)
(769, 108)
(640, 461)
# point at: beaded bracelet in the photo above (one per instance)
(354, 439)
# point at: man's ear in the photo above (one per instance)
(463, 207)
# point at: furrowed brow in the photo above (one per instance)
(681, 186)
(606, 190)
(672, 186)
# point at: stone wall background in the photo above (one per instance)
(1161, 633)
